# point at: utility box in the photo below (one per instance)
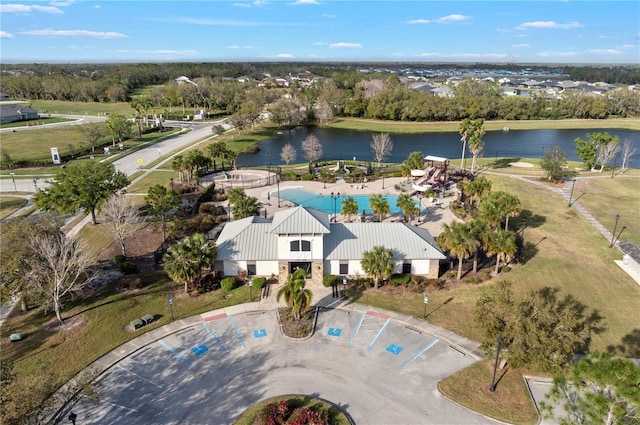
(149, 318)
(137, 323)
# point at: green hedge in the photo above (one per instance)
(399, 279)
(329, 280)
(228, 283)
(259, 282)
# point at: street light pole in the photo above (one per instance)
(170, 299)
(250, 290)
(573, 183)
(172, 184)
(615, 227)
(492, 388)
(420, 196)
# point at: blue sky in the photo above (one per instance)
(314, 30)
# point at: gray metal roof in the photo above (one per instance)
(247, 239)
(347, 241)
(300, 220)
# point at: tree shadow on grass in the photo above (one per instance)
(629, 347)
(503, 162)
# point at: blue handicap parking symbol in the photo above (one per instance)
(200, 349)
(335, 331)
(259, 333)
(394, 349)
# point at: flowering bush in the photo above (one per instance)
(280, 413)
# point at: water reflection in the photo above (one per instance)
(346, 144)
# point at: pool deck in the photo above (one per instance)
(433, 215)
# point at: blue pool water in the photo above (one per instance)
(325, 202)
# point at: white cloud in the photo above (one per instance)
(238, 47)
(604, 52)
(548, 25)
(156, 52)
(62, 3)
(627, 46)
(328, 15)
(345, 45)
(555, 54)
(24, 8)
(81, 47)
(520, 46)
(452, 18)
(4, 34)
(256, 3)
(303, 2)
(284, 55)
(465, 56)
(97, 6)
(418, 21)
(217, 22)
(320, 43)
(76, 33)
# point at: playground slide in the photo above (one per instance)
(434, 177)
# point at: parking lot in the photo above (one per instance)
(379, 370)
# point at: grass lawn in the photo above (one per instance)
(425, 127)
(509, 403)
(605, 197)
(10, 204)
(81, 108)
(32, 123)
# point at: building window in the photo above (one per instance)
(300, 246)
(251, 269)
(344, 268)
(406, 268)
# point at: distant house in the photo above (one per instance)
(15, 112)
(183, 80)
(305, 238)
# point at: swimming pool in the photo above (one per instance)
(325, 202)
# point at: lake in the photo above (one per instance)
(346, 144)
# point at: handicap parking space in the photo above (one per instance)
(369, 327)
(334, 326)
(400, 345)
(256, 329)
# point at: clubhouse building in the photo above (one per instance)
(301, 237)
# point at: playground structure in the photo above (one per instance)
(433, 177)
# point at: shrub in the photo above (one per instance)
(307, 177)
(289, 175)
(399, 279)
(127, 267)
(228, 283)
(416, 279)
(329, 280)
(119, 259)
(259, 282)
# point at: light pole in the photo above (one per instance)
(573, 183)
(13, 178)
(35, 183)
(492, 388)
(420, 196)
(615, 227)
(250, 290)
(170, 299)
(335, 197)
(172, 184)
(426, 301)
(278, 183)
(384, 168)
(344, 283)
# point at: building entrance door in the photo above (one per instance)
(305, 265)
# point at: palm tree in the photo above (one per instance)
(379, 205)
(477, 188)
(349, 206)
(378, 263)
(185, 260)
(459, 241)
(502, 244)
(511, 207)
(246, 207)
(295, 295)
(406, 204)
(479, 231)
(490, 209)
(472, 130)
(178, 165)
